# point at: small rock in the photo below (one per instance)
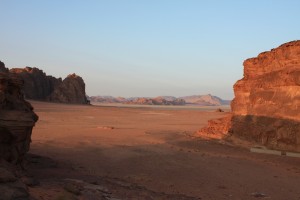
(219, 110)
(258, 195)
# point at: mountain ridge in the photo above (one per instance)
(201, 100)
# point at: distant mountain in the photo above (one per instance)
(205, 100)
(156, 101)
(168, 98)
(107, 99)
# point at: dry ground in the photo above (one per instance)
(148, 153)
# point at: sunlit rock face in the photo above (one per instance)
(16, 118)
(266, 107)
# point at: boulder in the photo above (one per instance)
(11, 187)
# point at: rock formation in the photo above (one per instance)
(71, 90)
(16, 122)
(37, 85)
(16, 119)
(42, 87)
(3, 69)
(266, 107)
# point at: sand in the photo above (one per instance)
(149, 153)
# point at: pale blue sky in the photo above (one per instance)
(145, 47)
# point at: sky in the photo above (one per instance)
(145, 47)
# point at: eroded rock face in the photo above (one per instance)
(72, 90)
(266, 107)
(40, 86)
(16, 119)
(16, 122)
(37, 85)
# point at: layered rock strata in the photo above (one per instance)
(16, 122)
(266, 107)
(16, 119)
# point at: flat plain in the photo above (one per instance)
(150, 153)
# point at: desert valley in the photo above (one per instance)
(149, 100)
(56, 145)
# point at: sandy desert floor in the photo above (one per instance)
(147, 153)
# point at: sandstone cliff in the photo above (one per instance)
(16, 122)
(37, 85)
(16, 119)
(71, 90)
(266, 107)
(40, 86)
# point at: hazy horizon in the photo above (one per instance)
(158, 96)
(145, 48)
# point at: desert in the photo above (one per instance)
(149, 100)
(82, 151)
(149, 153)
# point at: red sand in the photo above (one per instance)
(152, 151)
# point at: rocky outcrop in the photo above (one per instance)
(71, 90)
(217, 128)
(37, 85)
(16, 119)
(3, 69)
(16, 122)
(266, 104)
(40, 86)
